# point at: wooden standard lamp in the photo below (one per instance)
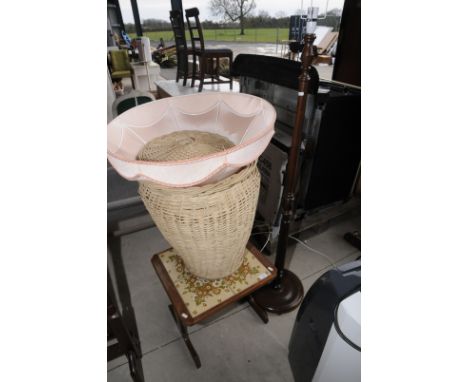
(285, 293)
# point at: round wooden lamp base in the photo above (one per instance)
(281, 298)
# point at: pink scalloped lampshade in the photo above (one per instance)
(246, 120)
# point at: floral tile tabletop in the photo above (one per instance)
(200, 295)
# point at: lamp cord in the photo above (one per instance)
(332, 263)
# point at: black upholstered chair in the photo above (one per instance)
(177, 22)
(207, 57)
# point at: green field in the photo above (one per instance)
(271, 35)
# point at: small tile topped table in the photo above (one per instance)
(170, 88)
(195, 299)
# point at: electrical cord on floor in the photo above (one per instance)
(332, 263)
(267, 240)
(300, 242)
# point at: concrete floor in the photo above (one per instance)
(234, 346)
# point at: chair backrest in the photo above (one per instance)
(132, 99)
(195, 29)
(119, 60)
(177, 22)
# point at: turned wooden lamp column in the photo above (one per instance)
(285, 293)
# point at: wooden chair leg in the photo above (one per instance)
(185, 72)
(202, 72)
(136, 367)
(194, 67)
(127, 343)
(230, 72)
(133, 82)
(214, 69)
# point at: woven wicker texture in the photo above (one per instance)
(208, 226)
(186, 144)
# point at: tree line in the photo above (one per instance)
(262, 20)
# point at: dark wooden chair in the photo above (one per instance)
(182, 52)
(207, 57)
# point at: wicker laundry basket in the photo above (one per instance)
(208, 226)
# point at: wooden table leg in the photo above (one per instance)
(185, 336)
(261, 313)
(136, 368)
